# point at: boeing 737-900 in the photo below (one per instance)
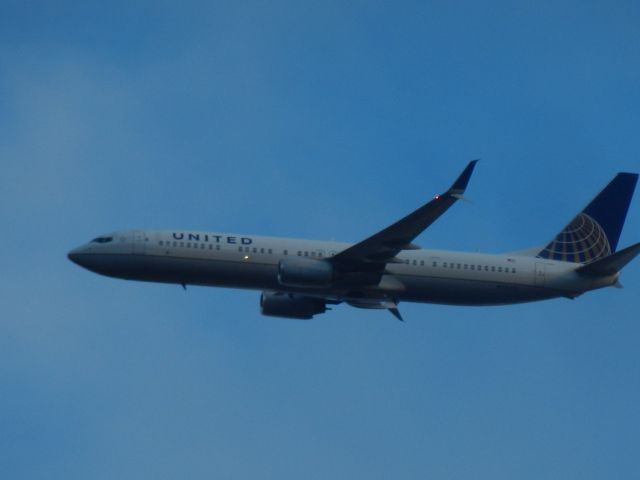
(300, 278)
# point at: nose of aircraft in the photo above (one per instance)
(75, 255)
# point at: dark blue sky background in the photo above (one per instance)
(318, 120)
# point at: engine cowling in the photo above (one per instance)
(287, 305)
(305, 273)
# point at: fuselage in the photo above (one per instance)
(251, 262)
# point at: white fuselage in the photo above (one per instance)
(251, 262)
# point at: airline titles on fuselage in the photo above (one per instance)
(207, 238)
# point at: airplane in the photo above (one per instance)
(303, 278)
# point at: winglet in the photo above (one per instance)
(460, 184)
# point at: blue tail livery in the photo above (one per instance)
(594, 232)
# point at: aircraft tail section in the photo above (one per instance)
(594, 233)
(612, 264)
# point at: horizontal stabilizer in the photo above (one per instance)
(612, 264)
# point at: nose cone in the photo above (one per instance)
(76, 255)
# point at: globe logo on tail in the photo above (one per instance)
(582, 241)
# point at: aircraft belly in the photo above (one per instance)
(456, 291)
(263, 276)
(195, 271)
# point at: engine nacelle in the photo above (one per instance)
(305, 272)
(289, 305)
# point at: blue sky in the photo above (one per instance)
(314, 120)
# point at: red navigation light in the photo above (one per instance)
(437, 197)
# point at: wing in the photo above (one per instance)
(373, 253)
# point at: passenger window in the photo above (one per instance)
(486, 268)
(513, 270)
(415, 263)
(493, 269)
(299, 253)
(444, 264)
(270, 251)
(466, 265)
(286, 252)
(407, 262)
(262, 250)
(188, 245)
(160, 243)
(239, 249)
(422, 263)
(458, 266)
(473, 267)
(210, 246)
(202, 246)
(181, 244)
(217, 247)
(435, 264)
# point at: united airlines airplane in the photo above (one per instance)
(300, 278)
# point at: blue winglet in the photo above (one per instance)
(460, 184)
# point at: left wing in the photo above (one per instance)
(373, 253)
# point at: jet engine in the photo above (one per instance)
(305, 272)
(287, 305)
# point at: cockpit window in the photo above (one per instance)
(102, 240)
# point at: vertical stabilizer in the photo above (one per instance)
(594, 232)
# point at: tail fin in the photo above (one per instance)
(594, 232)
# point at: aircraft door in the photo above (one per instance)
(139, 240)
(540, 274)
